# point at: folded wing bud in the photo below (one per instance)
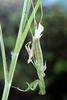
(39, 31)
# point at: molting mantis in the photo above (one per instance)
(36, 58)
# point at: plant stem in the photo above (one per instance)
(3, 56)
(6, 91)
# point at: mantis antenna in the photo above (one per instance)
(35, 22)
(41, 12)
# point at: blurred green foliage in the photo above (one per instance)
(56, 30)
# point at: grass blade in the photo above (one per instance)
(3, 56)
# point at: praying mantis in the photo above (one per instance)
(36, 58)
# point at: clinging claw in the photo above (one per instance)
(44, 67)
(29, 51)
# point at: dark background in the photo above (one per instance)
(54, 46)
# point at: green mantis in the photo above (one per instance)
(36, 58)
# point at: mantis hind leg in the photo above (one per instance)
(32, 86)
